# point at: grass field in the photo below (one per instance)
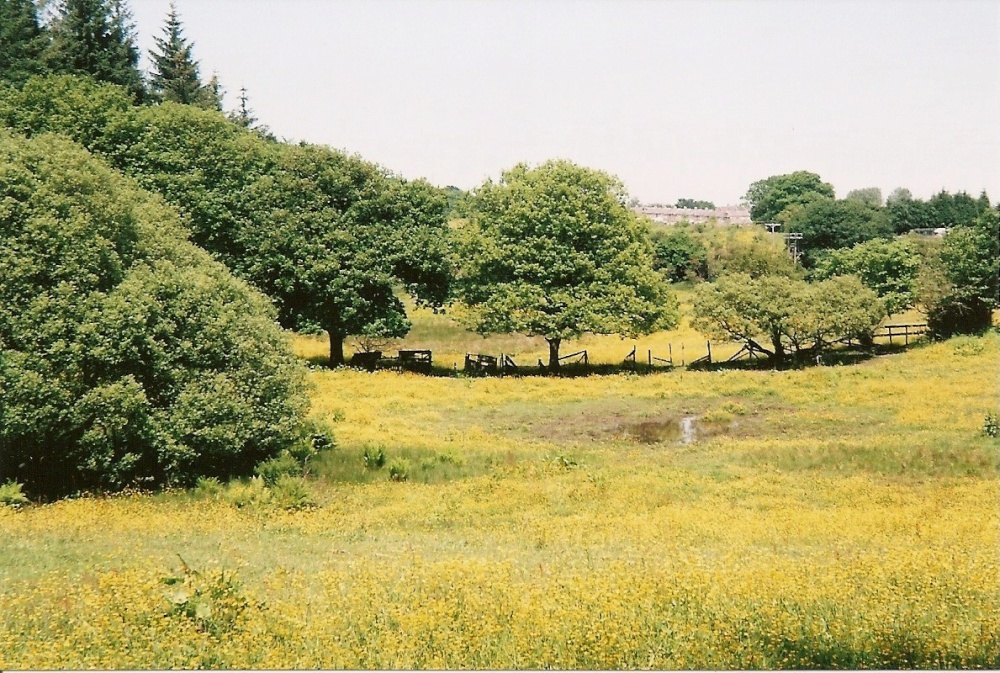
(831, 516)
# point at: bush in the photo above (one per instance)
(12, 495)
(374, 458)
(127, 356)
(285, 465)
(990, 426)
(399, 469)
(291, 493)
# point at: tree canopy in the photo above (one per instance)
(96, 38)
(826, 224)
(890, 268)
(553, 251)
(959, 286)
(127, 356)
(788, 314)
(775, 199)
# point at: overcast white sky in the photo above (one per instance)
(678, 99)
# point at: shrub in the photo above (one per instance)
(12, 495)
(399, 469)
(127, 356)
(374, 458)
(990, 426)
(284, 465)
(291, 493)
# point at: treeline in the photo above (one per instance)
(149, 244)
(758, 295)
(801, 202)
(97, 39)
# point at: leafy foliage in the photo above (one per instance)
(890, 268)
(792, 315)
(695, 203)
(748, 250)
(553, 251)
(679, 254)
(128, 356)
(871, 196)
(826, 224)
(776, 198)
(959, 287)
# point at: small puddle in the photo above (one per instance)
(687, 430)
(660, 432)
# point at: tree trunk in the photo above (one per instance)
(336, 349)
(779, 349)
(554, 354)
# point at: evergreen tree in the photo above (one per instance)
(175, 72)
(22, 41)
(212, 94)
(243, 115)
(96, 38)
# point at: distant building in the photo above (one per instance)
(724, 215)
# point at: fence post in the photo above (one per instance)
(709, 344)
(683, 363)
(649, 357)
(906, 335)
(670, 353)
(889, 327)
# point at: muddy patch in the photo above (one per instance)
(684, 430)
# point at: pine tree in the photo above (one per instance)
(175, 72)
(243, 115)
(211, 94)
(96, 38)
(22, 41)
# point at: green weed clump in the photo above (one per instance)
(12, 495)
(399, 469)
(990, 426)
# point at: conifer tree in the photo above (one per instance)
(212, 94)
(175, 72)
(22, 41)
(96, 38)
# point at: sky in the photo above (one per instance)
(678, 99)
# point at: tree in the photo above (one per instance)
(679, 255)
(175, 72)
(96, 38)
(775, 198)
(127, 357)
(554, 251)
(75, 106)
(329, 238)
(692, 203)
(959, 287)
(898, 194)
(871, 196)
(906, 213)
(948, 210)
(890, 268)
(245, 116)
(748, 250)
(827, 224)
(335, 239)
(791, 315)
(22, 41)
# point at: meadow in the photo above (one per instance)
(828, 516)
